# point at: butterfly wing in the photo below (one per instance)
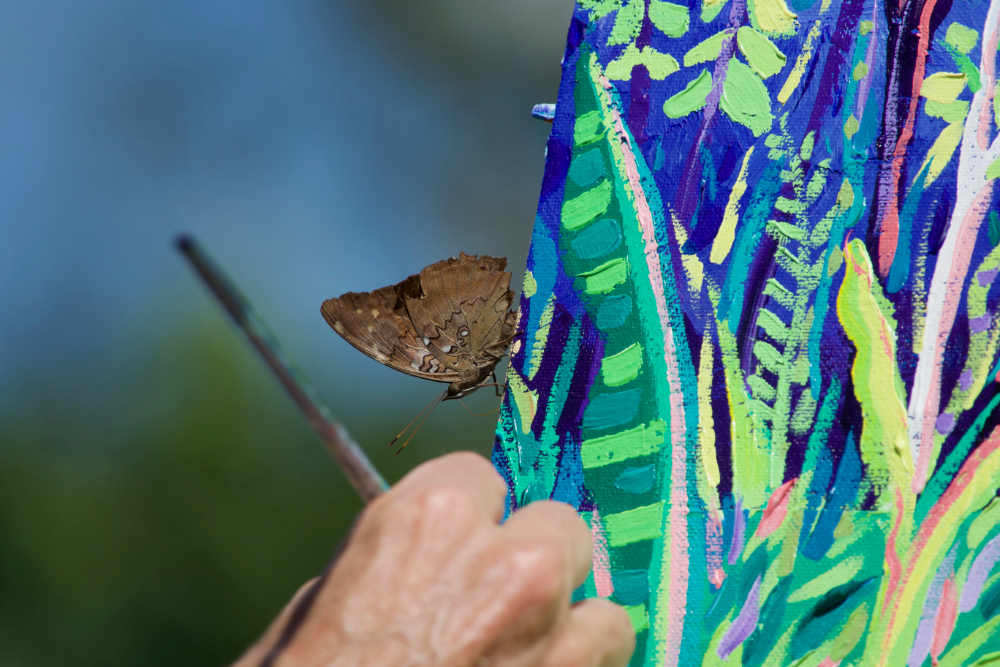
(377, 323)
(463, 308)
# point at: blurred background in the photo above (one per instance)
(160, 498)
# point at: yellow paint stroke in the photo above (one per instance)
(530, 286)
(525, 399)
(706, 427)
(884, 444)
(795, 76)
(839, 574)
(772, 17)
(727, 230)
(541, 337)
(943, 87)
(750, 462)
(693, 267)
(942, 151)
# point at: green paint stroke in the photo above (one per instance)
(706, 50)
(605, 277)
(762, 55)
(639, 441)
(745, 99)
(691, 99)
(636, 525)
(884, 445)
(588, 129)
(623, 367)
(578, 211)
(637, 614)
(670, 19)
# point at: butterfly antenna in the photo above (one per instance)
(428, 407)
(433, 405)
(485, 414)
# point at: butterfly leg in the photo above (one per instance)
(496, 384)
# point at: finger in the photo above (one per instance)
(557, 527)
(469, 472)
(255, 654)
(597, 633)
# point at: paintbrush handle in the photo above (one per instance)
(359, 471)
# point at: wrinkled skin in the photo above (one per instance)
(430, 578)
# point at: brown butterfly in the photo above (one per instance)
(450, 323)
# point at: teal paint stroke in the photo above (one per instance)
(613, 311)
(597, 239)
(607, 410)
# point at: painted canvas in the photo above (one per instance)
(760, 332)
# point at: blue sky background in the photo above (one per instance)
(314, 147)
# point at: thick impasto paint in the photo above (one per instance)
(760, 332)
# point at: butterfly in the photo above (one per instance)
(449, 323)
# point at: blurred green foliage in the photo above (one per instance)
(177, 539)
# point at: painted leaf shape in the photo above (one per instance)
(705, 50)
(745, 99)
(627, 23)
(691, 99)
(762, 55)
(670, 19)
(943, 87)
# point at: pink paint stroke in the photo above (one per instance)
(947, 613)
(602, 560)
(713, 550)
(776, 510)
(679, 562)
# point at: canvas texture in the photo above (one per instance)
(759, 333)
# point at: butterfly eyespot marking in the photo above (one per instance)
(447, 349)
(374, 313)
(370, 328)
(463, 332)
(338, 327)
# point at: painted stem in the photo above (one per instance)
(678, 430)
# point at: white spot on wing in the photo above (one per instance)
(427, 341)
(338, 327)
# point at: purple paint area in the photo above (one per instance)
(928, 616)
(744, 624)
(965, 380)
(986, 277)
(980, 570)
(739, 527)
(981, 323)
(945, 423)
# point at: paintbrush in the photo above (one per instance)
(348, 455)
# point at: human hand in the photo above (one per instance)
(430, 578)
